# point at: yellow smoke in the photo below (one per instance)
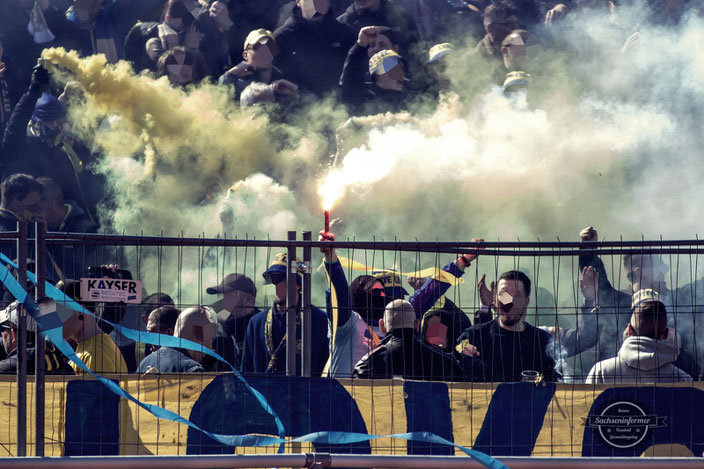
(198, 132)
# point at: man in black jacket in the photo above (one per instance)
(313, 45)
(508, 344)
(401, 353)
(382, 13)
(384, 92)
(14, 19)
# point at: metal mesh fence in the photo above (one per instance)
(490, 411)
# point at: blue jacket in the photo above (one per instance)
(170, 360)
(256, 356)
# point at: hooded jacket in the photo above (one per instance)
(640, 359)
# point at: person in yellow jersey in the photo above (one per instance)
(94, 347)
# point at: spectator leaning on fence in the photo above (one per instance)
(508, 344)
(645, 356)
(402, 353)
(266, 338)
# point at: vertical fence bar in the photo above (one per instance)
(40, 363)
(291, 307)
(22, 343)
(306, 330)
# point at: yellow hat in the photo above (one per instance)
(280, 266)
(392, 282)
(438, 51)
(641, 296)
(517, 79)
(383, 62)
(256, 36)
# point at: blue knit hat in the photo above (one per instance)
(48, 108)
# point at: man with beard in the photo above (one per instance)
(356, 329)
(509, 345)
(265, 339)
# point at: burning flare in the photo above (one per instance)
(332, 188)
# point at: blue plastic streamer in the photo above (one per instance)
(50, 327)
(47, 325)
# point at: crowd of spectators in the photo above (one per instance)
(373, 328)
(372, 56)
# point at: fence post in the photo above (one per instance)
(291, 308)
(22, 343)
(306, 328)
(40, 363)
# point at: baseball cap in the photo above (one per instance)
(278, 267)
(384, 61)
(438, 51)
(516, 79)
(392, 282)
(9, 317)
(641, 296)
(261, 36)
(233, 282)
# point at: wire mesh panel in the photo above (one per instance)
(512, 349)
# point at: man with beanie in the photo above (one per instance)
(266, 338)
(401, 353)
(35, 143)
(645, 355)
(355, 326)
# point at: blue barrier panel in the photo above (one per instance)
(92, 419)
(627, 421)
(514, 419)
(428, 410)
(305, 405)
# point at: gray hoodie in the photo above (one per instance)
(640, 359)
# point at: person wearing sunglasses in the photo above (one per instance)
(266, 337)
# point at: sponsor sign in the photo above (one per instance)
(624, 424)
(111, 290)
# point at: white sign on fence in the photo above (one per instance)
(111, 290)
